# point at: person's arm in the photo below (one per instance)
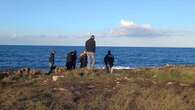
(94, 46)
(49, 58)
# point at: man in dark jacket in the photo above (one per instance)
(74, 59)
(90, 46)
(109, 61)
(52, 61)
(69, 61)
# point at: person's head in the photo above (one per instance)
(75, 52)
(92, 37)
(83, 53)
(53, 51)
(109, 52)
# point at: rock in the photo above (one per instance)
(60, 89)
(154, 76)
(55, 78)
(118, 82)
(91, 86)
(154, 82)
(171, 83)
(184, 85)
(3, 75)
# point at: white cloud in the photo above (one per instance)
(125, 23)
(133, 34)
(132, 25)
(128, 33)
(131, 29)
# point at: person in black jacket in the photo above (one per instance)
(83, 60)
(74, 59)
(71, 60)
(90, 46)
(52, 61)
(109, 61)
(68, 61)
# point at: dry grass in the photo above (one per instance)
(167, 88)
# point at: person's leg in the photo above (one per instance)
(74, 65)
(89, 61)
(107, 68)
(111, 69)
(93, 60)
(71, 65)
(81, 65)
(84, 64)
(68, 66)
(51, 68)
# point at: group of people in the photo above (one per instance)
(86, 58)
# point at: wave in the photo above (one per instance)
(117, 67)
(122, 67)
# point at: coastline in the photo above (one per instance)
(44, 70)
(168, 87)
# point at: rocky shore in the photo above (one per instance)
(165, 88)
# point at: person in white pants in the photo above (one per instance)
(90, 46)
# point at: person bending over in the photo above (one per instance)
(71, 60)
(83, 60)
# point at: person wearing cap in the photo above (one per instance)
(90, 46)
(109, 61)
(52, 61)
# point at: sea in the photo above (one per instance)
(15, 57)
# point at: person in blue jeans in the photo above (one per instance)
(90, 46)
(52, 61)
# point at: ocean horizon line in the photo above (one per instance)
(97, 46)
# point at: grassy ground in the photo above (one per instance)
(167, 88)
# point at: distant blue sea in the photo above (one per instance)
(13, 57)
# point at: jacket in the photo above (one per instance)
(90, 45)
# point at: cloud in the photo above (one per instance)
(132, 25)
(127, 33)
(131, 29)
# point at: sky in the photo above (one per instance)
(137, 23)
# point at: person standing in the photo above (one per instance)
(74, 59)
(90, 46)
(69, 61)
(109, 61)
(52, 61)
(83, 60)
